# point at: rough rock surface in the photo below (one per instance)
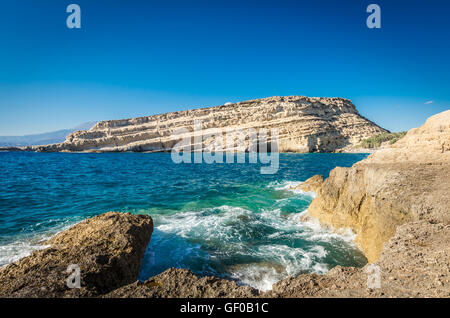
(108, 249)
(304, 124)
(313, 184)
(407, 182)
(183, 283)
(397, 202)
(414, 263)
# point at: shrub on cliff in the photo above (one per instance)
(376, 141)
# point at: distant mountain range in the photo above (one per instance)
(42, 139)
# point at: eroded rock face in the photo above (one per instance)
(397, 202)
(407, 182)
(304, 124)
(107, 248)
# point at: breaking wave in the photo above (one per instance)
(255, 247)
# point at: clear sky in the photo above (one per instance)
(135, 58)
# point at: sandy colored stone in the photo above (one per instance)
(398, 204)
(407, 182)
(414, 263)
(313, 184)
(108, 249)
(175, 283)
(305, 124)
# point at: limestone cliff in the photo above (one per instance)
(404, 183)
(304, 125)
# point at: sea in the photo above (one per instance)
(226, 220)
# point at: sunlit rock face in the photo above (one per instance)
(407, 182)
(303, 124)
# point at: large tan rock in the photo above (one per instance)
(313, 184)
(407, 182)
(429, 143)
(107, 248)
(397, 202)
(304, 124)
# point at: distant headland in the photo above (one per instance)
(305, 124)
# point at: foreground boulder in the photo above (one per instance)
(107, 248)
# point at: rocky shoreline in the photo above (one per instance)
(396, 201)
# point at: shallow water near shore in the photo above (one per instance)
(226, 220)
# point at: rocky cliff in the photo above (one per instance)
(304, 125)
(406, 182)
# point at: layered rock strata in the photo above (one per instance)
(304, 124)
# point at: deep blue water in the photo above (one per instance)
(221, 219)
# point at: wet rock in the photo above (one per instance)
(176, 282)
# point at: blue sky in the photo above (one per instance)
(136, 58)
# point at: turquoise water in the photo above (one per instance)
(222, 219)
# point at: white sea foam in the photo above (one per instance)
(259, 276)
(287, 261)
(318, 232)
(290, 186)
(14, 251)
(23, 246)
(284, 185)
(210, 223)
(234, 231)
